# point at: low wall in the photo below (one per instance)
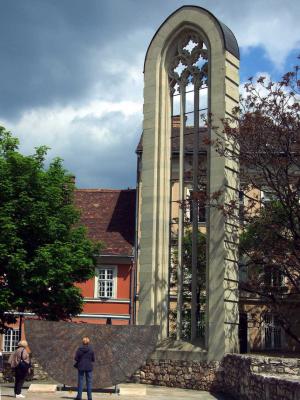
(264, 364)
(244, 377)
(37, 373)
(199, 375)
(249, 377)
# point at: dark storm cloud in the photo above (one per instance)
(109, 162)
(44, 48)
(47, 48)
(71, 72)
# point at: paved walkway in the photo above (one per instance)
(146, 392)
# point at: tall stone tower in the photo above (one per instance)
(191, 73)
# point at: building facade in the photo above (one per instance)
(109, 217)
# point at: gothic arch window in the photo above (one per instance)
(188, 86)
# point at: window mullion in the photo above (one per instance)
(195, 202)
(180, 212)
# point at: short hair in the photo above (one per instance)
(22, 343)
(85, 340)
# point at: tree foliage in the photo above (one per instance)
(264, 136)
(187, 279)
(43, 250)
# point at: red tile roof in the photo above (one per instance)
(109, 216)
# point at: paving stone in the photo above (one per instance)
(42, 388)
(132, 390)
(151, 393)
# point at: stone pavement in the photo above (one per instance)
(152, 393)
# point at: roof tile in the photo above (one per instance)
(109, 216)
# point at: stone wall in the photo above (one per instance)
(37, 373)
(249, 377)
(274, 365)
(199, 375)
(244, 377)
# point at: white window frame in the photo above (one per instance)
(11, 333)
(272, 326)
(266, 197)
(189, 208)
(281, 278)
(114, 268)
(243, 272)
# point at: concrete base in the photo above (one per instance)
(132, 390)
(169, 349)
(42, 388)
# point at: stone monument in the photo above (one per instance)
(119, 349)
(192, 48)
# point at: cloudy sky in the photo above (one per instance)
(71, 72)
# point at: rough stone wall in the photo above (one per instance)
(244, 377)
(199, 375)
(262, 364)
(264, 378)
(37, 373)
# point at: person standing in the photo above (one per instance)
(20, 362)
(85, 358)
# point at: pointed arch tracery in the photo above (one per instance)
(188, 87)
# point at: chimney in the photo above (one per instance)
(176, 121)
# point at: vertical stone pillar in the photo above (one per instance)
(155, 196)
(222, 235)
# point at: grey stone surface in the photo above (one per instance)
(119, 350)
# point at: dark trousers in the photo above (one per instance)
(20, 376)
(88, 377)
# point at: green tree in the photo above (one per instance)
(43, 249)
(269, 252)
(187, 280)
